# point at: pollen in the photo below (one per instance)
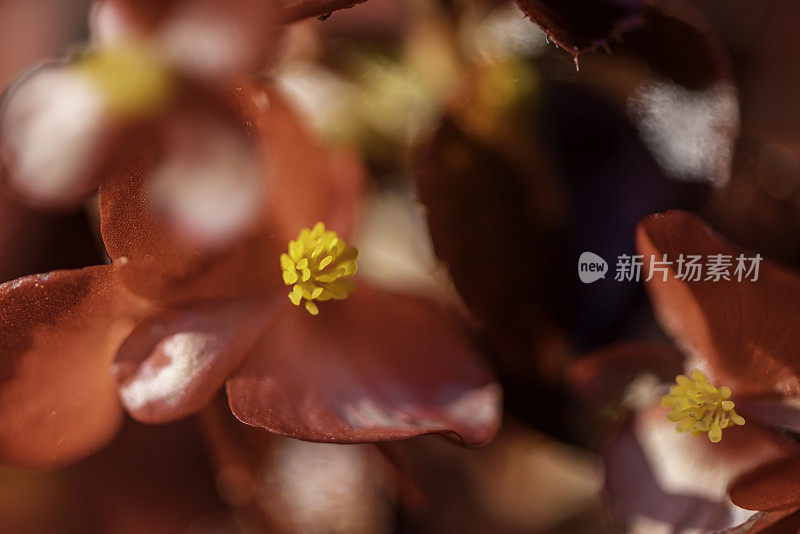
(131, 78)
(318, 266)
(700, 407)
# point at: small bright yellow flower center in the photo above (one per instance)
(132, 78)
(318, 266)
(701, 407)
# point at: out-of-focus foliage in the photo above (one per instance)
(163, 155)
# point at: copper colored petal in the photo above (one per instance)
(482, 204)
(768, 87)
(780, 522)
(603, 375)
(33, 242)
(153, 479)
(768, 487)
(678, 42)
(31, 30)
(308, 182)
(58, 334)
(377, 366)
(300, 189)
(321, 9)
(775, 412)
(581, 25)
(743, 333)
(348, 177)
(174, 362)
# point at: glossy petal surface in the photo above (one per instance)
(377, 366)
(299, 189)
(769, 487)
(745, 334)
(173, 363)
(58, 335)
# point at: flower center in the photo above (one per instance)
(131, 78)
(318, 266)
(699, 406)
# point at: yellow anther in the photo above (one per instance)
(132, 78)
(700, 407)
(318, 266)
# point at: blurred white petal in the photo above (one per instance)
(209, 181)
(395, 246)
(213, 38)
(690, 133)
(504, 34)
(325, 488)
(51, 131)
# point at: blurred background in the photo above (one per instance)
(495, 158)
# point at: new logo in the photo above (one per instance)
(591, 267)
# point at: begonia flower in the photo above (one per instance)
(154, 71)
(738, 340)
(180, 323)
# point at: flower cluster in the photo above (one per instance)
(419, 178)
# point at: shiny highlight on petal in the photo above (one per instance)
(318, 266)
(699, 406)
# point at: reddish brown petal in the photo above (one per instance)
(745, 332)
(58, 334)
(33, 242)
(300, 188)
(580, 25)
(603, 375)
(153, 479)
(307, 182)
(32, 30)
(678, 43)
(769, 487)
(377, 366)
(348, 178)
(173, 363)
(775, 412)
(781, 522)
(315, 8)
(462, 180)
(768, 86)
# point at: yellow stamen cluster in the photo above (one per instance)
(701, 407)
(318, 265)
(133, 80)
